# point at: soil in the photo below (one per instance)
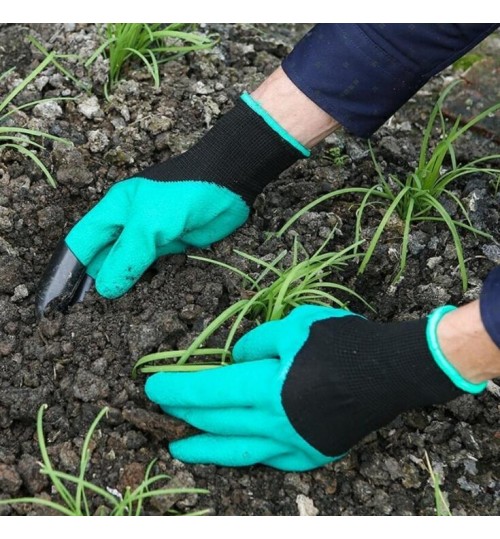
(80, 361)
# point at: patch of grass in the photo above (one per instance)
(25, 141)
(419, 197)
(335, 156)
(151, 44)
(303, 281)
(466, 61)
(73, 491)
(442, 507)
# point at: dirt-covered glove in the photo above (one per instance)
(306, 388)
(194, 199)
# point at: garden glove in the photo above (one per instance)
(193, 199)
(305, 389)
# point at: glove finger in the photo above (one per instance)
(228, 421)
(95, 264)
(298, 461)
(247, 384)
(221, 226)
(282, 337)
(226, 451)
(99, 228)
(129, 258)
(259, 343)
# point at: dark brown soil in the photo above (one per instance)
(81, 361)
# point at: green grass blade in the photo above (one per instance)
(380, 229)
(161, 356)
(40, 501)
(85, 458)
(234, 269)
(47, 464)
(35, 159)
(406, 238)
(323, 198)
(20, 87)
(456, 238)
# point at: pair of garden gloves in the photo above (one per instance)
(303, 390)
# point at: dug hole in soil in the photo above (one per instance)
(80, 361)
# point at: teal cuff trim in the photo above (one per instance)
(273, 124)
(432, 340)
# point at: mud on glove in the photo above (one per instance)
(194, 199)
(306, 388)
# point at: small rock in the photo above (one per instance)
(492, 252)
(182, 479)
(297, 483)
(434, 261)
(40, 82)
(50, 216)
(393, 467)
(306, 506)
(29, 469)
(200, 88)
(470, 466)
(6, 219)
(98, 140)
(469, 486)
(11, 273)
(90, 108)
(48, 110)
(72, 167)
(10, 480)
(89, 388)
(20, 292)
(132, 475)
(434, 295)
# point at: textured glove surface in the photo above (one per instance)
(306, 388)
(193, 199)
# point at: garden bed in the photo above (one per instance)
(80, 361)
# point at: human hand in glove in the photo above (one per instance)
(305, 389)
(193, 199)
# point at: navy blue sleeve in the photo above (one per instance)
(362, 73)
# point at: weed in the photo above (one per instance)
(442, 508)
(467, 61)
(419, 197)
(152, 44)
(335, 156)
(74, 498)
(300, 282)
(19, 138)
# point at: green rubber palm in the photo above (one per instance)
(307, 388)
(240, 406)
(139, 220)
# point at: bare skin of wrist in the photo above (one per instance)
(293, 110)
(467, 345)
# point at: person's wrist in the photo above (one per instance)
(457, 347)
(293, 110)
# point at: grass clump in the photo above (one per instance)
(442, 507)
(73, 491)
(151, 44)
(303, 281)
(25, 141)
(419, 197)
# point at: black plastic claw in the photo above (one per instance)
(64, 282)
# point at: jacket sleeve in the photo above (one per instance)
(362, 73)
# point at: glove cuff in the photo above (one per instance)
(432, 340)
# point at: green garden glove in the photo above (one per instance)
(193, 199)
(306, 388)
